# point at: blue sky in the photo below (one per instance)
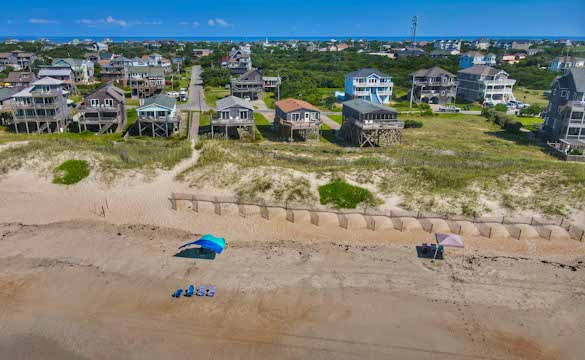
(292, 18)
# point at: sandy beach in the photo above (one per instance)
(77, 285)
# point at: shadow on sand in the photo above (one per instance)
(196, 253)
(428, 254)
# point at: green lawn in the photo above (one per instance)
(530, 123)
(204, 119)
(337, 118)
(269, 100)
(212, 94)
(531, 96)
(133, 102)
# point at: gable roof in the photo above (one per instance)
(48, 81)
(248, 73)
(69, 61)
(473, 54)
(288, 105)
(364, 106)
(110, 89)
(230, 101)
(432, 72)
(161, 100)
(16, 77)
(366, 72)
(481, 70)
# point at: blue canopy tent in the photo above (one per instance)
(209, 242)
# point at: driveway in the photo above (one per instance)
(196, 100)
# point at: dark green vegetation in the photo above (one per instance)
(305, 73)
(71, 172)
(342, 195)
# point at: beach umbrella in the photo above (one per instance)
(209, 242)
(450, 240)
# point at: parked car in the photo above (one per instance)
(173, 94)
(449, 109)
(518, 104)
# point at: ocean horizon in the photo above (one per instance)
(66, 39)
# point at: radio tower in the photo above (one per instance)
(413, 27)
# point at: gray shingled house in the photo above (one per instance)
(368, 124)
(565, 114)
(234, 117)
(433, 86)
(103, 110)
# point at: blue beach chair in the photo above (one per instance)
(211, 291)
(190, 291)
(178, 293)
(201, 291)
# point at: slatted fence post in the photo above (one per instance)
(217, 206)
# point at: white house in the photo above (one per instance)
(564, 63)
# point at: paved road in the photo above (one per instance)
(196, 100)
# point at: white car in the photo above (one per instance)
(173, 94)
(450, 109)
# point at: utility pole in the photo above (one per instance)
(412, 91)
(414, 26)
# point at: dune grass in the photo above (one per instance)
(71, 172)
(342, 195)
(448, 164)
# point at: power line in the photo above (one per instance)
(413, 27)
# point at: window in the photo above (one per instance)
(225, 115)
(554, 91)
(295, 116)
(563, 93)
(109, 102)
(95, 102)
(244, 115)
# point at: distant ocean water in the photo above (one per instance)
(65, 39)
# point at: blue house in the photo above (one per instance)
(473, 58)
(369, 84)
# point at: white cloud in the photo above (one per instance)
(88, 22)
(111, 20)
(195, 24)
(222, 22)
(187, 23)
(219, 22)
(42, 21)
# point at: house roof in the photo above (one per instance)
(248, 73)
(364, 106)
(69, 61)
(149, 70)
(481, 70)
(105, 55)
(111, 90)
(366, 72)
(7, 93)
(233, 101)
(432, 72)
(288, 105)
(48, 81)
(24, 92)
(566, 59)
(16, 77)
(161, 100)
(55, 72)
(577, 77)
(473, 54)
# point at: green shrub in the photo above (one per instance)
(513, 125)
(199, 144)
(576, 152)
(71, 172)
(501, 107)
(412, 124)
(345, 196)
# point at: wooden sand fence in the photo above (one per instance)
(398, 219)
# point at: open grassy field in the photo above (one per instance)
(531, 123)
(531, 96)
(337, 118)
(213, 93)
(458, 164)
